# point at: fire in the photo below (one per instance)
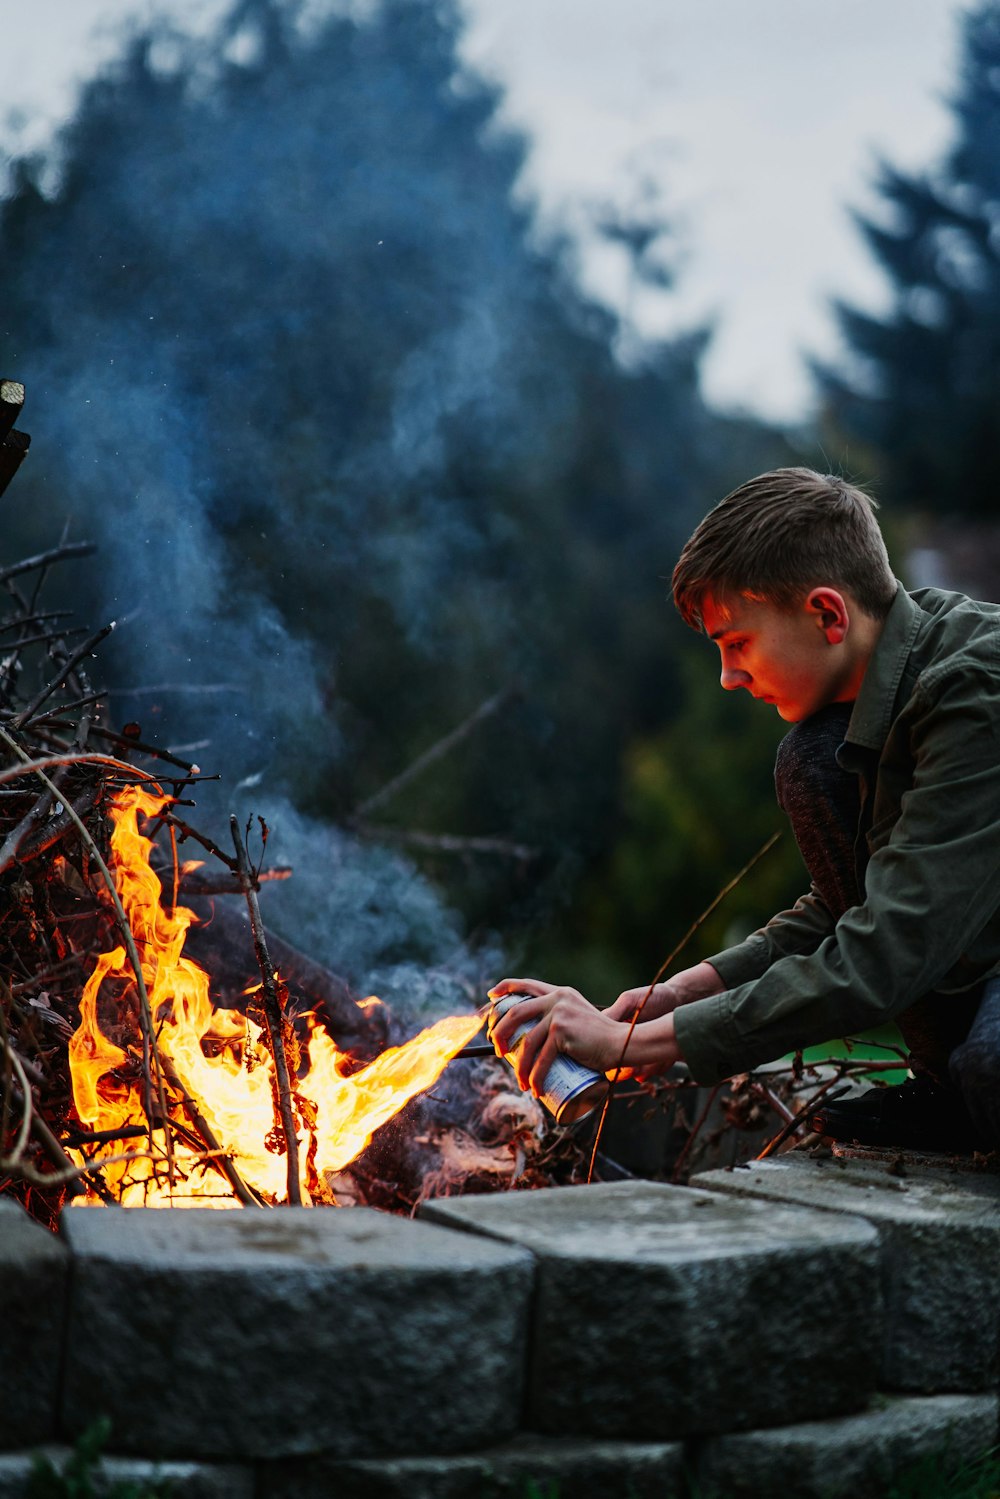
(221, 1058)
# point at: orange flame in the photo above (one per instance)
(221, 1058)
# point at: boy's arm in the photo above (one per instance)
(932, 894)
(798, 930)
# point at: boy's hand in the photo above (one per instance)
(694, 983)
(568, 1023)
(662, 1000)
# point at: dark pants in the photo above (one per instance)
(952, 1037)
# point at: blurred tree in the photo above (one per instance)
(920, 388)
(354, 445)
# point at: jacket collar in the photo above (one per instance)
(875, 703)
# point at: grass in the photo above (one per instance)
(80, 1477)
(871, 1046)
(935, 1478)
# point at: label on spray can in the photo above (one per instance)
(570, 1091)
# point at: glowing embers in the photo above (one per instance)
(221, 1059)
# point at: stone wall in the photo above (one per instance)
(793, 1328)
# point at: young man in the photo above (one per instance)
(890, 776)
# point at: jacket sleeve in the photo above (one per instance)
(931, 889)
(799, 930)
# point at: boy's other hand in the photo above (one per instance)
(662, 999)
(693, 983)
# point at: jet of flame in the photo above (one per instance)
(221, 1057)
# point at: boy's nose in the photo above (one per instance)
(732, 678)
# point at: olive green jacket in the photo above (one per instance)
(924, 741)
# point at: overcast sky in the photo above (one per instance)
(757, 123)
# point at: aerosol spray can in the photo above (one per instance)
(570, 1090)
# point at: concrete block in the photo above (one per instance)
(940, 1249)
(661, 1312)
(257, 1333)
(34, 1268)
(857, 1457)
(598, 1470)
(112, 1474)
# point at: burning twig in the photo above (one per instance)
(273, 1015)
(244, 1193)
(151, 1056)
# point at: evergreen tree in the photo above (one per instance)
(354, 446)
(920, 389)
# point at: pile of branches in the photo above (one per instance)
(61, 766)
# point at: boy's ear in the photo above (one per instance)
(829, 607)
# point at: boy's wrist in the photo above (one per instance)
(699, 982)
(652, 1048)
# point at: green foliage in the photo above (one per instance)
(919, 397)
(80, 1477)
(936, 1478)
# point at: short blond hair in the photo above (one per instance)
(780, 535)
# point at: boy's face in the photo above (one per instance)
(795, 659)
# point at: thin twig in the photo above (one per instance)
(689, 1142)
(51, 718)
(273, 1016)
(448, 843)
(695, 926)
(193, 883)
(138, 744)
(787, 1115)
(29, 841)
(12, 1064)
(798, 1120)
(50, 687)
(193, 689)
(33, 1121)
(43, 559)
(145, 1011)
(52, 762)
(186, 831)
(223, 1162)
(33, 618)
(46, 638)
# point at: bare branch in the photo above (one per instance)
(430, 756)
(449, 843)
(43, 559)
(86, 649)
(273, 1015)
